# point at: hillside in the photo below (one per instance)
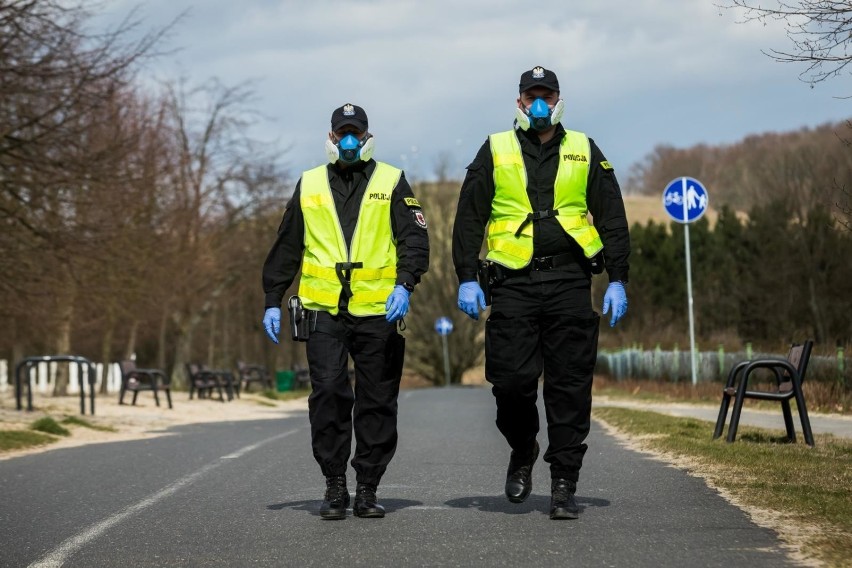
(642, 208)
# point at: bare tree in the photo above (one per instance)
(216, 169)
(436, 297)
(844, 193)
(59, 87)
(820, 31)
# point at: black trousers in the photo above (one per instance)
(547, 327)
(334, 408)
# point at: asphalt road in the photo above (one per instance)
(248, 494)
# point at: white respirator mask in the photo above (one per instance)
(350, 149)
(539, 116)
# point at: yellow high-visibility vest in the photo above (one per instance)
(372, 245)
(511, 204)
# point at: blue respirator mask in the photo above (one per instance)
(350, 149)
(539, 116)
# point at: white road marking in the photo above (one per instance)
(60, 554)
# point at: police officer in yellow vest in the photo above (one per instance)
(532, 187)
(359, 235)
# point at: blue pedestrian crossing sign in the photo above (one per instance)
(443, 325)
(685, 199)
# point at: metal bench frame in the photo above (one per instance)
(789, 375)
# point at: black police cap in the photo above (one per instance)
(349, 114)
(538, 77)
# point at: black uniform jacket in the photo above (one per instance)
(347, 187)
(603, 198)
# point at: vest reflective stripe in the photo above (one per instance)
(359, 274)
(372, 244)
(511, 204)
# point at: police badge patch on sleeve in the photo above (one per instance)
(419, 218)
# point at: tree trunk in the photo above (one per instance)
(17, 353)
(241, 337)
(186, 324)
(183, 353)
(130, 350)
(819, 325)
(226, 351)
(161, 341)
(63, 347)
(211, 340)
(17, 357)
(106, 347)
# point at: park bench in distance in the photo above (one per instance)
(789, 375)
(204, 382)
(229, 381)
(135, 379)
(249, 373)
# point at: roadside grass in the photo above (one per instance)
(76, 421)
(657, 391)
(807, 490)
(50, 426)
(286, 395)
(20, 439)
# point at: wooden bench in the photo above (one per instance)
(135, 379)
(789, 375)
(249, 373)
(229, 381)
(204, 382)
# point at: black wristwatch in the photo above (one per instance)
(408, 286)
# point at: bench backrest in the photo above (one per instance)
(126, 366)
(799, 355)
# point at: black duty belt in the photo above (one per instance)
(543, 263)
(344, 273)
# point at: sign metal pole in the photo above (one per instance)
(689, 283)
(446, 360)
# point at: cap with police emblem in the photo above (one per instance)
(349, 114)
(538, 76)
(350, 148)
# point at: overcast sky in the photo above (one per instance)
(438, 76)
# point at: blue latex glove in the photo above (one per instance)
(615, 298)
(471, 299)
(272, 323)
(397, 304)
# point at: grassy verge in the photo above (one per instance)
(20, 439)
(76, 421)
(809, 490)
(50, 426)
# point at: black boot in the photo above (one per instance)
(336, 498)
(562, 502)
(366, 505)
(519, 476)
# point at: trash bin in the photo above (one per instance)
(284, 380)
